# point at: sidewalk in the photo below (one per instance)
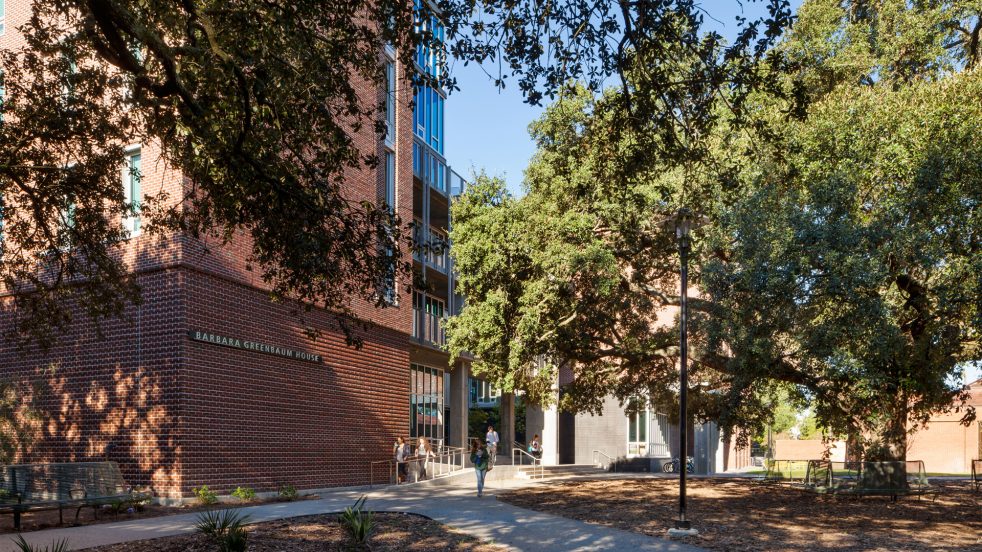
(457, 506)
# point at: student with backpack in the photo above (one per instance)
(482, 461)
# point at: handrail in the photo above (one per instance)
(610, 460)
(536, 462)
(447, 462)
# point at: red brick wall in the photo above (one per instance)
(177, 414)
(259, 420)
(114, 398)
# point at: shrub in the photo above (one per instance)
(56, 546)
(224, 528)
(205, 495)
(359, 522)
(244, 493)
(289, 493)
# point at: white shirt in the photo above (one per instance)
(492, 437)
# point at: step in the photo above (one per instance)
(562, 470)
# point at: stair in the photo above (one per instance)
(562, 470)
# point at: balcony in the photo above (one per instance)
(457, 184)
(428, 320)
(429, 166)
(432, 247)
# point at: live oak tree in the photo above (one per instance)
(255, 103)
(841, 262)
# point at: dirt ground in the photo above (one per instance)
(393, 533)
(46, 519)
(737, 514)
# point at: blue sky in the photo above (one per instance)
(488, 128)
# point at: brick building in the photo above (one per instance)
(210, 382)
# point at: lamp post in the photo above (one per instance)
(683, 225)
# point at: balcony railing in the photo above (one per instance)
(429, 166)
(428, 327)
(431, 246)
(457, 183)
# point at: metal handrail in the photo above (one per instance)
(536, 462)
(447, 462)
(610, 460)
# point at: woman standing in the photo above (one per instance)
(480, 458)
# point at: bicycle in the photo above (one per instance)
(673, 466)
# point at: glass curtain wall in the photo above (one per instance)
(426, 402)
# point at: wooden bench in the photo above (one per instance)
(977, 474)
(57, 486)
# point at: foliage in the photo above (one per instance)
(259, 105)
(289, 493)
(56, 546)
(226, 528)
(478, 420)
(840, 263)
(265, 145)
(205, 495)
(244, 493)
(358, 522)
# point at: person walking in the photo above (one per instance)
(424, 451)
(535, 447)
(492, 441)
(400, 451)
(482, 463)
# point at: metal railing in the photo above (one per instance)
(428, 327)
(611, 461)
(536, 463)
(448, 461)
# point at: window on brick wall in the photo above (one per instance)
(3, 16)
(390, 103)
(132, 191)
(389, 289)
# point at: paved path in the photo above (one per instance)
(485, 518)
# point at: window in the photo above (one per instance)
(637, 429)
(426, 402)
(390, 103)
(3, 14)
(388, 286)
(132, 192)
(390, 180)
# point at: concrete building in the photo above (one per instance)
(209, 382)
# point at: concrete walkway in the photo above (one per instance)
(457, 506)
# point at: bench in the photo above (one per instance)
(57, 486)
(785, 471)
(885, 478)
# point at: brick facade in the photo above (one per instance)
(177, 413)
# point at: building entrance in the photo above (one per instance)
(427, 403)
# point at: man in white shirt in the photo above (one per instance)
(492, 439)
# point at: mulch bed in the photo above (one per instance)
(46, 519)
(322, 533)
(737, 514)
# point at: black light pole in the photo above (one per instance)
(683, 222)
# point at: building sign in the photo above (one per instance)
(236, 343)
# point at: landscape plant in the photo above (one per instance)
(244, 494)
(226, 528)
(205, 495)
(358, 522)
(288, 493)
(56, 546)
